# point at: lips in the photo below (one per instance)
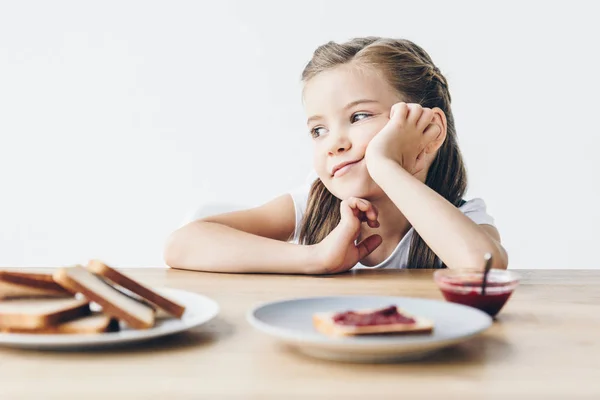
(341, 165)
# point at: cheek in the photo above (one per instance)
(318, 159)
(379, 124)
(319, 163)
(363, 136)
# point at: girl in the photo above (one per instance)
(390, 179)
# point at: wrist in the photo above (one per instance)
(381, 166)
(312, 263)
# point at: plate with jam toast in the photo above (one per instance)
(91, 306)
(368, 328)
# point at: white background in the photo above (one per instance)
(119, 117)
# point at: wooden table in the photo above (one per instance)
(545, 344)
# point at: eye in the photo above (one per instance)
(317, 131)
(359, 116)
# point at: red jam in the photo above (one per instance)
(385, 316)
(491, 303)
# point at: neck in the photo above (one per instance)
(393, 225)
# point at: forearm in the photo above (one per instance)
(454, 237)
(213, 247)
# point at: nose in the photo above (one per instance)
(340, 142)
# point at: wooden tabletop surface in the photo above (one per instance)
(545, 344)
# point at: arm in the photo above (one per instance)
(453, 236)
(404, 148)
(252, 240)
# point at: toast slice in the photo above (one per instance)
(144, 292)
(29, 285)
(40, 313)
(90, 324)
(113, 302)
(371, 322)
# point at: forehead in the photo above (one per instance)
(332, 89)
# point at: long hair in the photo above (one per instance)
(410, 70)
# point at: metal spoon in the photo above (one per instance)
(488, 266)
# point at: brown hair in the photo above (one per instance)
(409, 69)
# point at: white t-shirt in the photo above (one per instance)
(475, 209)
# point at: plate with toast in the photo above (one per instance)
(368, 328)
(92, 306)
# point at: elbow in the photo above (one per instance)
(181, 249)
(501, 262)
(499, 256)
(173, 251)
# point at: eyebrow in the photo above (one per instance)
(347, 106)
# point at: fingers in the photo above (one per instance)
(432, 132)
(367, 246)
(353, 211)
(347, 212)
(426, 118)
(414, 113)
(399, 112)
(364, 211)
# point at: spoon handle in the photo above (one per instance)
(488, 266)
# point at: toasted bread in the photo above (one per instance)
(144, 292)
(29, 285)
(40, 313)
(113, 302)
(325, 323)
(90, 324)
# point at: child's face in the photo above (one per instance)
(346, 108)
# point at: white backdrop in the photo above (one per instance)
(119, 117)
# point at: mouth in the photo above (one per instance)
(342, 168)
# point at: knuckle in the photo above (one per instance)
(398, 106)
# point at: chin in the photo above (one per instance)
(354, 188)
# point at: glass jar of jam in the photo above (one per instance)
(463, 286)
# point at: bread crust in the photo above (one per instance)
(21, 314)
(91, 324)
(28, 285)
(109, 306)
(118, 278)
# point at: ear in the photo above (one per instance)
(436, 131)
(434, 137)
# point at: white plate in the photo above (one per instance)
(290, 321)
(199, 310)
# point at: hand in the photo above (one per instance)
(338, 252)
(405, 137)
